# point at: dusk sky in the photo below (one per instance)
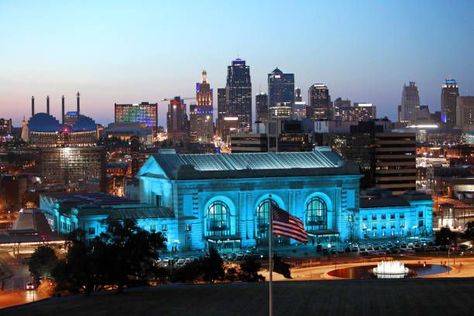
(133, 51)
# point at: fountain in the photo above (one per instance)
(390, 270)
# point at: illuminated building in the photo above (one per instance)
(201, 117)
(146, 113)
(239, 93)
(395, 161)
(449, 94)
(319, 102)
(281, 111)
(221, 110)
(299, 106)
(177, 121)
(281, 88)
(129, 131)
(410, 103)
(465, 113)
(5, 126)
(223, 200)
(358, 112)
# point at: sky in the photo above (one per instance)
(133, 51)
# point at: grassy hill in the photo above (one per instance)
(355, 297)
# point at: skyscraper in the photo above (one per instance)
(465, 113)
(239, 93)
(319, 107)
(281, 88)
(449, 93)
(177, 120)
(261, 106)
(298, 96)
(221, 109)
(410, 103)
(201, 114)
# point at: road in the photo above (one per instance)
(12, 287)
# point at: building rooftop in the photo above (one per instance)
(384, 198)
(320, 161)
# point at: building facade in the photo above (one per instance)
(449, 94)
(177, 121)
(409, 104)
(239, 93)
(281, 88)
(201, 117)
(146, 113)
(319, 102)
(261, 107)
(465, 113)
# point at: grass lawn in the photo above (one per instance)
(346, 297)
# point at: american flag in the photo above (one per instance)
(287, 225)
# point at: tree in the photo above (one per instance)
(469, 233)
(249, 269)
(213, 266)
(281, 267)
(42, 262)
(445, 237)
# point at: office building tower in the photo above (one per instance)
(465, 113)
(410, 103)
(357, 113)
(177, 120)
(395, 161)
(145, 113)
(239, 93)
(201, 114)
(261, 107)
(281, 88)
(449, 94)
(319, 102)
(221, 109)
(298, 96)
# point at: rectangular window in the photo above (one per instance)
(164, 228)
(402, 215)
(158, 200)
(384, 216)
(187, 227)
(420, 214)
(91, 231)
(364, 218)
(392, 216)
(420, 223)
(374, 217)
(153, 228)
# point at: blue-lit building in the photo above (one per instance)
(281, 88)
(199, 200)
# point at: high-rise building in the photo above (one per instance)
(410, 103)
(221, 109)
(395, 161)
(261, 106)
(449, 93)
(465, 113)
(239, 93)
(177, 120)
(281, 88)
(5, 126)
(357, 113)
(201, 114)
(319, 102)
(146, 113)
(298, 96)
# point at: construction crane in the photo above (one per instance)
(184, 99)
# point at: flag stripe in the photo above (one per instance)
(287, 225)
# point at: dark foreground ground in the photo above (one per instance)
(351, 297)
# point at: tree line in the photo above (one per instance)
(126, 255)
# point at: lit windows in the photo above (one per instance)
(218, 219)
(316, 214)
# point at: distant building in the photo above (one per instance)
(357, 113)
(129, 131)
(280, 111)
(5, 126)
(465, 113)
(281, 88)
(145, 113)
(239, 93)
(409, 104)
(449, 94)
(261, 107)
(298, 96)
(201, 117)
(319, 102)
(221, 109)
(177, 121)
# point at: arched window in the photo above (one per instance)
(218, 219)
(263, 216)
(316, 214)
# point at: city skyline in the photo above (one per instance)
(124, 53)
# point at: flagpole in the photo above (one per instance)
(270, 258)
